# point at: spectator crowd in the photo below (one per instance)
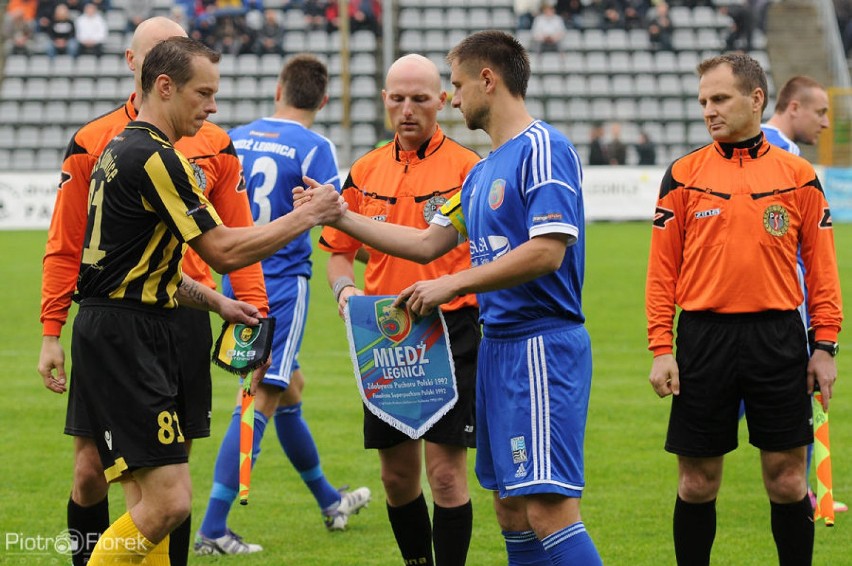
(72, 27)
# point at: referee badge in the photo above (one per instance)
(776, 220)
(431, 207)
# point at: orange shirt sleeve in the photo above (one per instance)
(65, 237)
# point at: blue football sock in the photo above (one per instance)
(572, 545)
(226, 474)
(524, 549)
(298, 444)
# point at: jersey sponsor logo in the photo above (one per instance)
(545, 218)
(259, 134)
(432, 206)
(394, 323)
(198, 208)
(776, 220)
(496, 194)
(662, 216)
(200, 176)
(519, 450)
(826, 219)
(708, 213)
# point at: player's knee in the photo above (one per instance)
(448, 484)
(511, 513)
(90, 485)
(698, 488)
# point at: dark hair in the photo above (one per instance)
(305, 81)
(797, 88)
(747, 71)
(499, 51)
(173, 57)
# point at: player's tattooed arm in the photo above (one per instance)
(190, 293)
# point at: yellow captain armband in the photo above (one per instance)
(452, 209)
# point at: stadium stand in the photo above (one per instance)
(599, 75)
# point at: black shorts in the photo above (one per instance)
(758, 358)
(457, 427)
(125, 367)
(195, 343)
(195, 390)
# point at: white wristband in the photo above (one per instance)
(340, 284)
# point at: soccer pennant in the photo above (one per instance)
(403, 364)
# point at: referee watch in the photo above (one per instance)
(831, 347)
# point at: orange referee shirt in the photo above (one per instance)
(405, 187)
(218, 173)
(728, 224)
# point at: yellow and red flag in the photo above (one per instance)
(822, 459)
(246, 439)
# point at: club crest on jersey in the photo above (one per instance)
(200, 176)
(394, 323)
(244, 336)
(519, 450)
(431, 207)
(776, 220)
(496, 194)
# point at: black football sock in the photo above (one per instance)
(793, 530)
(694, 531)
(451, 531)
(88, 523)
(413, 531)
(179, 543)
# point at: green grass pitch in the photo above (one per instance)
(631, 481)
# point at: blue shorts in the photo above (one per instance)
(532, 398)
(288, 303)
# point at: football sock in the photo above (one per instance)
(572, 545)
(179, 543)
(298, 444)
(451, 531)
(413, 531)
(524, 549)
(793, 530)
(161, 555)
(90, 522)
(226, 474)
(112, 549)
(694, 531)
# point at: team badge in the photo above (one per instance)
(431, 207)
(519, 450)
(200, 176)
(776, 220)
(495, 195)
(394, 323)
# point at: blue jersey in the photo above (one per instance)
(776, 137)
(529, 186)
(275, 155)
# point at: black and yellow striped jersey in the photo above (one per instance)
(144, 205)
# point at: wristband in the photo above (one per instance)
(340, 284)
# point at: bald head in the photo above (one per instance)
(413, 97)
(417, 68)
(152, 31)
(148, 34)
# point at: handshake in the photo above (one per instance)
(325, 204)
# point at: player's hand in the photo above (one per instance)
(258, 374)
(51, 364)
(238, 311)
(822, 370)
(344, 298)
(665, 377)
(325, 203)
(424, 296)
(300, 196)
